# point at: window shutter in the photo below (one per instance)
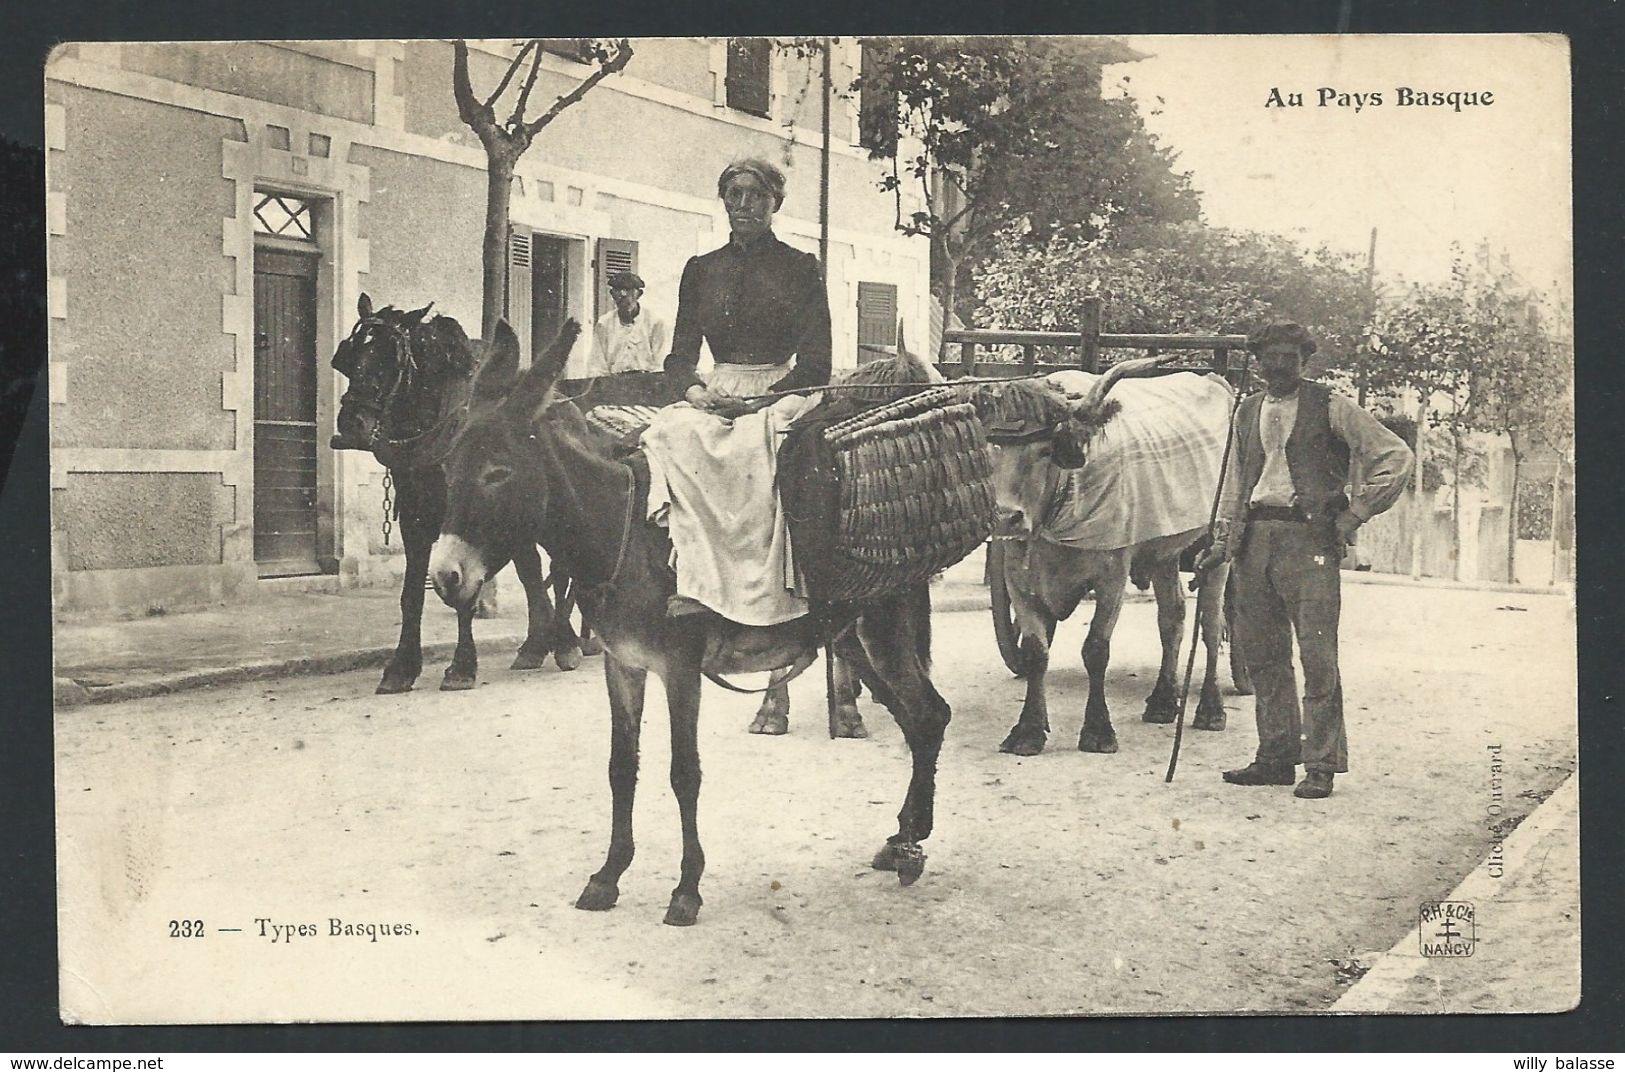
(518, 306)
(577, 49)
(877, 108)
(877, 320)
(614, 255)
(749, 75)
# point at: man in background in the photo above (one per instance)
(628, 338)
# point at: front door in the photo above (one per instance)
(285, 373)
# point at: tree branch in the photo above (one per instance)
(623, 53)
(479, 118)
(490, 102)
(518, 116)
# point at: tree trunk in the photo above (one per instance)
(494, 251)
(1421, 515)
(1512, 512)
(950, 291)
(1455, 504)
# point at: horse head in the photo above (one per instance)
(407, 376)
(509, 463)
(1035, 431)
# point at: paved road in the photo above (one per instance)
(1062, 884)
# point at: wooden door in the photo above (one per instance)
(285, 370)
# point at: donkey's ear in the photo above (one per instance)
(363, 307)
(500, 366)
(417, 314)
(536, 385)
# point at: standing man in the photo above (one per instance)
(1286, 519)
(628, 338)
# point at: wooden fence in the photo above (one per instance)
(1087, 342)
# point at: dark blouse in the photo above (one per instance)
(753, 306)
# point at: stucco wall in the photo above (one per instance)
(686, 158)
(141, 255)
(424, 224)
(262, 71)
(131, 520)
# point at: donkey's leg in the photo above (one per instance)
(773, 717)
(1210, 610)
(891, 658)
(567, 647)
(626, 721)
(682, 683)
(844, 695)
(407, 663)
(527, 563)
(1098, 734)
(1162, 705)
(565, 596)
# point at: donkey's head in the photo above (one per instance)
(405, 374)
(510, 464)
(1035, 431)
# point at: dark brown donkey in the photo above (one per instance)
(408, 390)
(524, 468)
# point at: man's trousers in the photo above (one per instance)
(1285, 583)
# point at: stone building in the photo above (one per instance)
(215, 211)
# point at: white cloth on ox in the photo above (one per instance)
(712, 485)
(1151, 471)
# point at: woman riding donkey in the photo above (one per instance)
(761, 307)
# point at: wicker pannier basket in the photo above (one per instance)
(916, 493)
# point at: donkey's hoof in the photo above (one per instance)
(568, 658)
(1091, 740)
(1159, 712)
(456, 680)
(771, 723)
(599, 896)
(591, 646)
(1209, 718)
(905, 857)
(850, 726)
(1023, 742)
(684, 910)
(391, 685)
(528, 660)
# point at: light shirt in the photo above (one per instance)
(1379, 461)
(621, 347)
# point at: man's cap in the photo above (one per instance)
(626, 280)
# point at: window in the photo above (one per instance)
(877, 108)
(576, 49)
(284, 216)
(877, 320)
(749, 75)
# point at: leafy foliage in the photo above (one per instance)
(1013, 136)
(1177, 277)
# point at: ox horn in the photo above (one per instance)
(1140, 366)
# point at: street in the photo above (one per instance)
(449, 833)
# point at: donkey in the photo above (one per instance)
(408, 381)
(1036, 434)
(525, 468)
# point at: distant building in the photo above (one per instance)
(215, 210)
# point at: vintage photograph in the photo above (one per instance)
(1099, 511)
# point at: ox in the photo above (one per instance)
(1089, 488)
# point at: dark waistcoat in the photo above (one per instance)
(1316, 457)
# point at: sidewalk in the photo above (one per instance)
(313, 633)
(336, 631)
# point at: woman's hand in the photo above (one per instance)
(721, 403)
